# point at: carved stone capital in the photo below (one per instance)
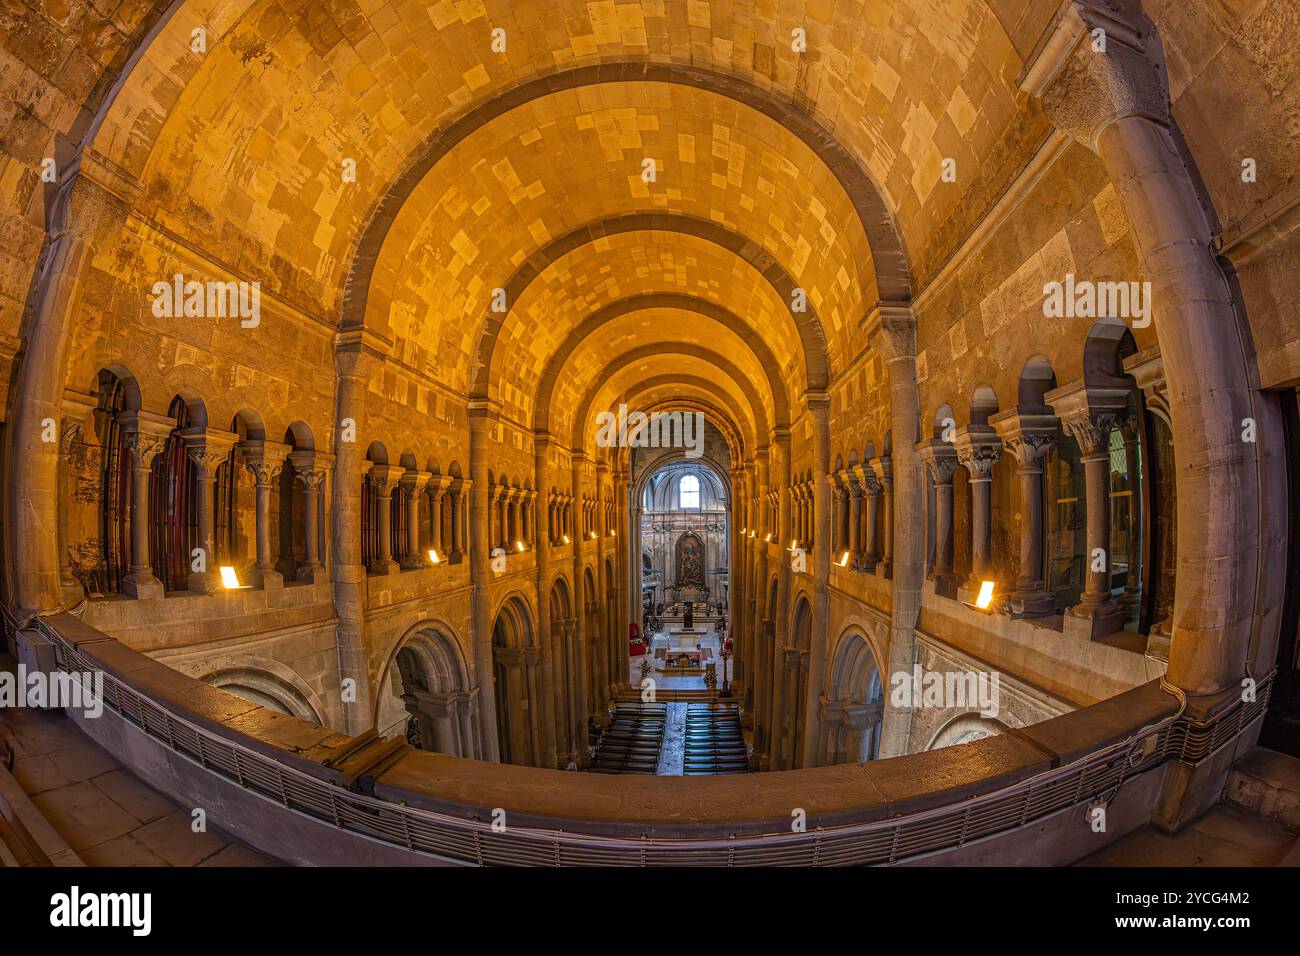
(143, 446)
(313, 479)
(978, 450)
(1091, 68)
(940, 457)
(1088, 412)
(1027, 435)
(891, 330)
(384, 479)
(883, 468)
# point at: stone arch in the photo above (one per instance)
(890, 260)
(425, 693)
(812, 335)
(519, 736)
(965, 728)
(267, 682)
(688, 303)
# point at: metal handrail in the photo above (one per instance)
(890, 840)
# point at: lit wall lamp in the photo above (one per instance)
(433, 556)
(519, 546)
(767, 537)
(565, 539)
(984, 600)
(844, 560)
(229, 579)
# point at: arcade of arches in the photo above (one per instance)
(379, 496)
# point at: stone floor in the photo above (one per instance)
(1224, 836)
(672, 752)
(107, 815)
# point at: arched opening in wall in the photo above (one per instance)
(269, 690)
(794, 676)
(117, 394)
(233, 500)
(964, 729)
(1108, 344)
(855, 704)
(683, 540)
(514, 664)
(979, 448)
(685, 516)
(290, 524)
(567, 671)
(425, 695)
(399, 511)
(596, 646)
(371, 550)
(1062, 492)
(615, 641)
(173, 496)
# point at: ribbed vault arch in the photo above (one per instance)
(593, 324)
(811, 334)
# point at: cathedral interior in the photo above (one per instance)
(649, 432)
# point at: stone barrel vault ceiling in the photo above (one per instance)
(478, 170)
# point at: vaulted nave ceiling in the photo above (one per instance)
(774, 170)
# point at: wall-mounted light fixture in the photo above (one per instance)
(985, 598)
(229, 579)
(433, 557)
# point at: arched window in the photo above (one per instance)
(115, 488)
(173, 499)
(688, 492)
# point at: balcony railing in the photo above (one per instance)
(1019, 781)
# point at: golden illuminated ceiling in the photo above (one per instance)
(775, 172)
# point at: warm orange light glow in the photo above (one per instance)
(519, 546)
(433, 557)
(844, 560)
(985, 596)
(229, 579)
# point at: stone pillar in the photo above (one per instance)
(265, 461)
(941, 459)
(313, 481)
(438, 494)
(1131, 599)
(819, 517)
(411, 486)
(855, 521)
(207, 450)
(883, 469)
(891, 330)
(32, 516)
(1116, 102)
(1029, 434)
(77, 407)
(144, 439)
(465, 706)
(479, 414)
(1089, 412)
(859, 722)
(357, 355)
(870, 533)
(978, 450)
(578, 630)
(383, 482)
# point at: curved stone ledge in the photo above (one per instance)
(543, 803)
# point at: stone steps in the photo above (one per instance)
(1266, 784)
